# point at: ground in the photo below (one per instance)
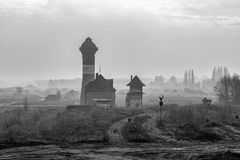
(138, 136)
(133, 151)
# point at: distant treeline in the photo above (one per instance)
(228, 89)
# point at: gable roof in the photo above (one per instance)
(136, 82)
(100, 83)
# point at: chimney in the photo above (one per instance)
(131, 77)
(96, 75)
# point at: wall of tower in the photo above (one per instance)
(88, 50)
(88, 75)
(134, 100)
(88, 70)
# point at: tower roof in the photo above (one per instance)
(135, 82)
(88, 46)
(100, 83)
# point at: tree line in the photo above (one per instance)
(228, 89)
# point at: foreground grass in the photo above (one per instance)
(84, 124)
(90, 124)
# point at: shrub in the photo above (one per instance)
(71, 126)
(191, 133)
(133, 131)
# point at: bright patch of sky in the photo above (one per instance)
(40, 38)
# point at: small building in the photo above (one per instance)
(100, 92)
(54, 97)
(135, 93)
(19, 90)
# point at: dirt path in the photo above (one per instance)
(159, 135)
(149, 151)
(115, 131)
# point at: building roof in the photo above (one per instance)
(100, 83)
(135, 82)
(88, 46)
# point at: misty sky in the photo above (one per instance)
(39, 39)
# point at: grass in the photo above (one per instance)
(85, 124)
(90, 124)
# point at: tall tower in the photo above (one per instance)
(88, 50)
(135, 94)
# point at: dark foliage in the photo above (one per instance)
(84, 124)
(217, 156)
(133, 131)
(192, 133)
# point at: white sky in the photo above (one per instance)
(39, 39)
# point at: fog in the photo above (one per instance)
(39, 39)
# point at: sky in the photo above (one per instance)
(39, 39)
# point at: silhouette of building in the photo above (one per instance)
(100, 92)
(54, 97)
(135, 93)
(88, 50)
(19, 90)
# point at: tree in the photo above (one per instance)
(228, 88)
(235, 89)
(189, 79)
(159, 79)
(214, 74)
(193, 79)
(185, 80)
(218, 73)
(172, 80)
(223, 89)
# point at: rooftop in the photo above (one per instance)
(88, 46)
(100, 83)
(135, 82)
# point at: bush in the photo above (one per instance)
(192, 133)
(86, 124)
(71, 126)
(20, 126)
(199, 114)
(133, 131)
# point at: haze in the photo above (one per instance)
(39, 39)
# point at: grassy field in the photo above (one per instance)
(57, 125)
(194, 130)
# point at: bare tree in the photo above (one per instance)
(223, 89)
(185, 80)
(235, 89)
(159, 79)
(228, 89)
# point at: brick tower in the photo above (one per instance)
(88, 50)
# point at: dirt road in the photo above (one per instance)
(148, 151)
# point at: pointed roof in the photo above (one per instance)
(100, 83)
(88, 45)
(135, 82)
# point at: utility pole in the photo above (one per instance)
(161, 109)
